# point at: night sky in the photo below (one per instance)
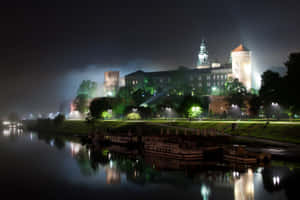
(48, 47)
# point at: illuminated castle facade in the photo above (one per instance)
(241, 65)
(205, 77)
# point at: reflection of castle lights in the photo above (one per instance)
(6, 132)
(51, 143)
(6, 123)
(244, 187)
(236, 174)
(276, 180)
(111, 164)
(75, 148)
(205, 191)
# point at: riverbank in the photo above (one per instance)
(276, 130)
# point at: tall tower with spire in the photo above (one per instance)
(203, 56)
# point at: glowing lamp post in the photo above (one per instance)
(276, 108)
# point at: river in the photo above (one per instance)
(39, 166)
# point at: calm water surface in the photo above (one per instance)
(36, 166)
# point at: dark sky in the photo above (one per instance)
(48, 47)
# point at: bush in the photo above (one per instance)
(133, 116)
(59, 120)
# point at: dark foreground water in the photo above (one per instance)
(34, 166)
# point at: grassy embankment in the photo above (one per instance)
(279, 131)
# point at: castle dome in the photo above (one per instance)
(240, 48)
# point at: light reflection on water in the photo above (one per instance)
(98, 166)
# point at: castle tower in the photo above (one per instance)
(203, 56)
(241, 65)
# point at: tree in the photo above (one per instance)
(88, 88)
(270, 91)
(81, 103)
(236, 93)
(234, 87)
(291, 97)
(124, 99)
(270, 87)
(100, 105)
(254, 103)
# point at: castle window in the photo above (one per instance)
(208, 77)
(208, 84)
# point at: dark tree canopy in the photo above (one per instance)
(99, 105)
(291, 95)
(270, 87)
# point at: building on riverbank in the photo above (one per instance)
(205, 77)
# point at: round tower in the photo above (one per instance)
(241, 65)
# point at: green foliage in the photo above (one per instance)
(236, 92)
(133, 116)
(106, 115)
(234, 87)
(187, 103)
(87, 88)
(124, 99)
(194, 111)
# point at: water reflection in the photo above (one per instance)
(244, 187)
(116, 165)
(12, 131)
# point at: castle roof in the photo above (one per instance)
(240, 48)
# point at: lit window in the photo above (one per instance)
(208, 83)
(208, 77)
